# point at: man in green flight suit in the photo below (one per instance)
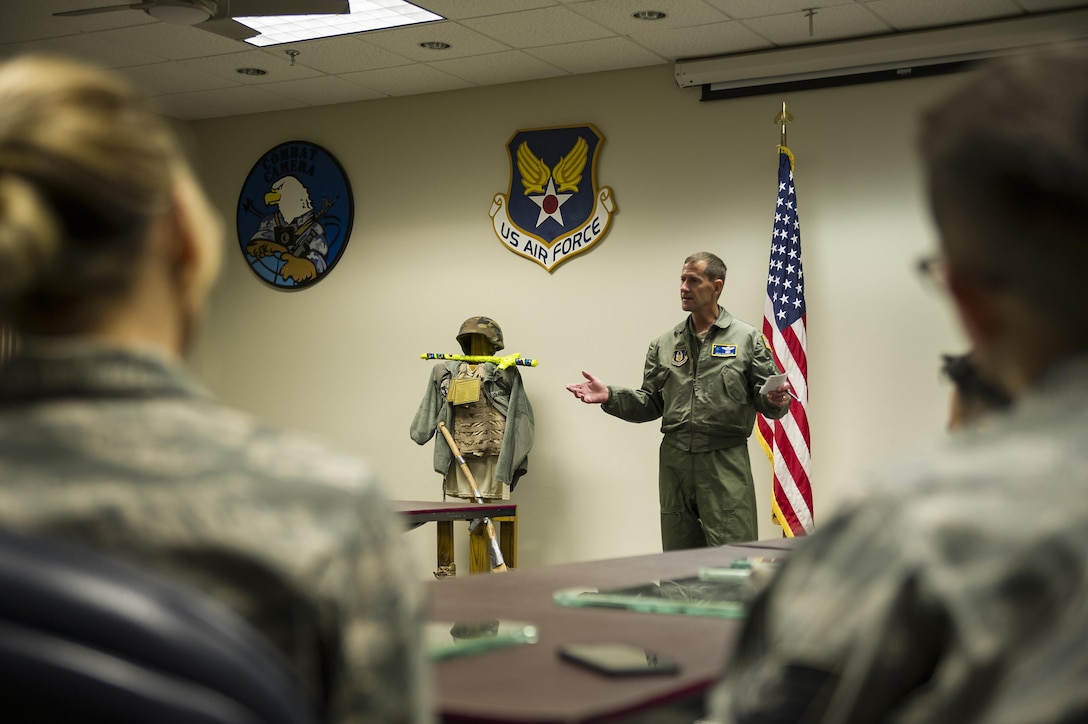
(703, 379)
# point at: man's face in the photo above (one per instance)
(697, 292)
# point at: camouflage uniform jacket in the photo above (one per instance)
(706, 393)
(923, 601)
(120, 451)
(504, 390)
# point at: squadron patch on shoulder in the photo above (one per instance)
(679, 357)
(723, 350)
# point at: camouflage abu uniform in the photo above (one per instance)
(120, 451)
(707, 396)
(960, 579)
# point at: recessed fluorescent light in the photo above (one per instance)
(365, 15)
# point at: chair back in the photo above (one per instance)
(87, 638)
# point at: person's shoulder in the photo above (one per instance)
(673, 333)
(239, 443)
(982, 491)
(739, 326)
(667, 340)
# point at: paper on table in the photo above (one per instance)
(774, 382)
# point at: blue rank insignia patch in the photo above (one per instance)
(679, 357)
(723, 350)
(554, 209)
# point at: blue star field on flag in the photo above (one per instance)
(785, 277)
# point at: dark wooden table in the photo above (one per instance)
(443, 513)
(530, 683)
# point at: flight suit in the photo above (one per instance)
(707, 396)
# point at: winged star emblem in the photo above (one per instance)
(554, 209)
(539, 180)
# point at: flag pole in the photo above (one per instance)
(781, 119)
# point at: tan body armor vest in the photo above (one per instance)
(478, 429)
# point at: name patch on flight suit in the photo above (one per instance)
(679, 357)
(723, 350)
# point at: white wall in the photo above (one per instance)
(340, 359)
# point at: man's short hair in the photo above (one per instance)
(1007, 160)
(715, 267)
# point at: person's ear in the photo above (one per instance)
(197, 239)
(719, 284)
(977, 307)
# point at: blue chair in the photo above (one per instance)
(90, 639)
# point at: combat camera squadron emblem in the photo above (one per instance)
(294, 215)
(554, 209)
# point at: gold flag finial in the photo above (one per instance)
(782, 119)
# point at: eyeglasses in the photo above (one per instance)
(934, 271)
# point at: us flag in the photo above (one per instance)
(786, 441)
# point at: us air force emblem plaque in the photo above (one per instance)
(294, 215)
(554, 209)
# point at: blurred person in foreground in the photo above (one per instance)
(921, 602)
(109, 249)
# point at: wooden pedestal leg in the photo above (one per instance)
(508, 539)
(446, 567)
(479, 557)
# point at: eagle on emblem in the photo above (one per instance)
(567, 173)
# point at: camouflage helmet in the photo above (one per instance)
(486, 326)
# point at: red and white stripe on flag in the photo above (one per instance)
(786, 441)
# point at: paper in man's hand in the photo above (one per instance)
(774, 382)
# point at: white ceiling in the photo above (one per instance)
(192, 74)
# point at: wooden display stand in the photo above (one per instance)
(503, 513)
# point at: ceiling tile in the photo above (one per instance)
(407, 80)
(830, 23)
(493, 41)
(87, 47)
(618, 15)
(226, 66)
(534, 28)
(462, 40)
(915, 14)
(323, 91)
(591, 56)
(168, 78)
(1036, 6)
(498, 68)
(172, 42)
(458, 9)
(342, 54)
(43, 11)
(760, 8)
(236, 101)
(708, 40)
(183, 107)
(19, 26)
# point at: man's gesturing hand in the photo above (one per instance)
(591, 392)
